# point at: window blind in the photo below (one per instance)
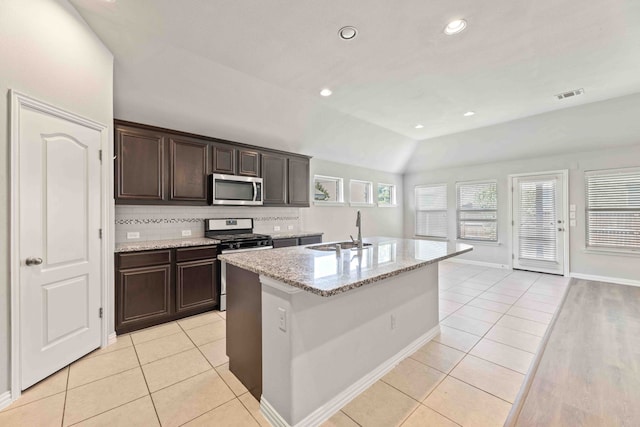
(478, 211)
(431, 210)
(537, 222)
(613, 209)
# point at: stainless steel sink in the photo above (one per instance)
(332, 246)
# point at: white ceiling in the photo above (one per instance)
(251, 70)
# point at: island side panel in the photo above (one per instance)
(332, 343)
(244, 327)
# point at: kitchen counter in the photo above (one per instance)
(294, 234)
(325, 274)
(164, 244)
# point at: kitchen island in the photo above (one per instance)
(308, 330)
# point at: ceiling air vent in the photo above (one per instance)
(570, 94)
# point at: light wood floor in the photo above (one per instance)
(589, 373)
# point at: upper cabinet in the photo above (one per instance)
(188, 163)
(224, 159)
(139, 169)
(161, 166)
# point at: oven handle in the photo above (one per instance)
(255, 191)
(235, 251)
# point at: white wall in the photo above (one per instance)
(48, 52)
(338, 222)
(622, 267)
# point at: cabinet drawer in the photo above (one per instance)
(308, 240)
(192, 254)
(143, 259)
(283, 243)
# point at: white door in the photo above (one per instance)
(538, 223)
(59, 213)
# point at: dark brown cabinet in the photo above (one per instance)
(154, 287)
(309, 240)
(166, 167)
(296, 241)
(223, 159)
(298, 181)
(140, 164)
(274, 179)
(283, 243)
(188, 161)
(248, 163)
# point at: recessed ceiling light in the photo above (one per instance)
(418, 126)
(455, 27)
(348, 33)
(469, 113)
(325, 92)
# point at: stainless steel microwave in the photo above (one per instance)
(234, 190)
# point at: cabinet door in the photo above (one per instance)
(308, 240)
(196, 285)
(139, 166)
(143, 297)
(283, 243)
(188, 163)
(248, 163)
(299, 182)
(224, 159)
(274, 176)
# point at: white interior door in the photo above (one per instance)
(59, 215)
(538, 223)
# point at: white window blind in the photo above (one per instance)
(537, 222)
(431, 210)
(613, 209)
(478, 211)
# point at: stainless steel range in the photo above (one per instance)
(235, 235)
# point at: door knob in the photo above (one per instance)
(33, 261)
(560, 229)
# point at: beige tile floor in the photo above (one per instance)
(177, 374)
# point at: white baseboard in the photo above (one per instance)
(616, 280)
(112, 338)
(327, 410)
(5, 399)
(479, 263)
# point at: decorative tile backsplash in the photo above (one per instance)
(168, 222)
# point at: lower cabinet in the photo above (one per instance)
(154, 287)
(297, 241)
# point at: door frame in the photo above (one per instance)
(17, 101)
(565, 214)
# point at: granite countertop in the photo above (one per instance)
(325, 274)
(164, 244)
(292, 234)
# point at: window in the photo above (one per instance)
(327, 189)
(613, 209)
(477, 211)
(386, 195)
(431, 210)
(360, 192)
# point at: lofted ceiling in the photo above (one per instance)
(251, 71)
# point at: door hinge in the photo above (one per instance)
(513, 256)
(100, 233)
(513, 223)
(100, 155)
(100, 312)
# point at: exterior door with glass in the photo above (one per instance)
(538, 222)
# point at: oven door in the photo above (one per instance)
(234, 190)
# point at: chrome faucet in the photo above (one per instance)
(359, 225)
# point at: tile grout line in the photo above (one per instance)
(108, 410)
(66, 391)
(145, 382)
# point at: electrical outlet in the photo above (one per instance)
(186, 233)
(276, 228)
(393, 322)
(572, 215)
(572, 223)
(289, 227)
(572, 208)
(133, 235)
(282, 319)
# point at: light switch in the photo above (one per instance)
(572, 208)
(276, 228)
(572, 223)
(133, 235)
(186, 233)
(572, 215)
(282, 319)
(289, 227)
